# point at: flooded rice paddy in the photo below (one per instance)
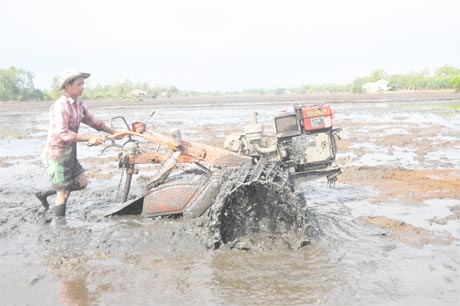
(389, 228)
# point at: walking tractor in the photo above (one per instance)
(249, 186)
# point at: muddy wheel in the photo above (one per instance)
(257, 213)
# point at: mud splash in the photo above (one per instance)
(257, 216)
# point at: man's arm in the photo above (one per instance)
(95, 123)
(108, 130)
(94, 140)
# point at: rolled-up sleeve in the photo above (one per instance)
(60, 122)
(90, 119)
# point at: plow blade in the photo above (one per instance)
(131, 207)
(189, 198)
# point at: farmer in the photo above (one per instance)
(60, 153)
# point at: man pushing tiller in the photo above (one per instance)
(60, 153)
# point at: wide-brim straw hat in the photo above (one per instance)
(70, 75)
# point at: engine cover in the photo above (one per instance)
(313, 148)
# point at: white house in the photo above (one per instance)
(137, 92)
(379, 86)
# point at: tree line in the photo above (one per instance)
(17, 85)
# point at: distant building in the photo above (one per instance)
(138, 93)
(379, 86)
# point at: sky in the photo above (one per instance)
(227, 45)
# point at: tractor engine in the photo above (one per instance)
(303, 142)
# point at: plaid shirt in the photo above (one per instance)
(65, 117)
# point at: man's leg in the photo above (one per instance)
(61, 202)
(78, 183)
(43, 195)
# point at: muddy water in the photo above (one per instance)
(373, 248)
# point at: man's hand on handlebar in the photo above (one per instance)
(95, 140)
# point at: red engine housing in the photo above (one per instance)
(316, 117)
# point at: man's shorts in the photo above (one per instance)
(62, 175)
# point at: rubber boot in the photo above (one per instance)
(59, 210)
(43, 195)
